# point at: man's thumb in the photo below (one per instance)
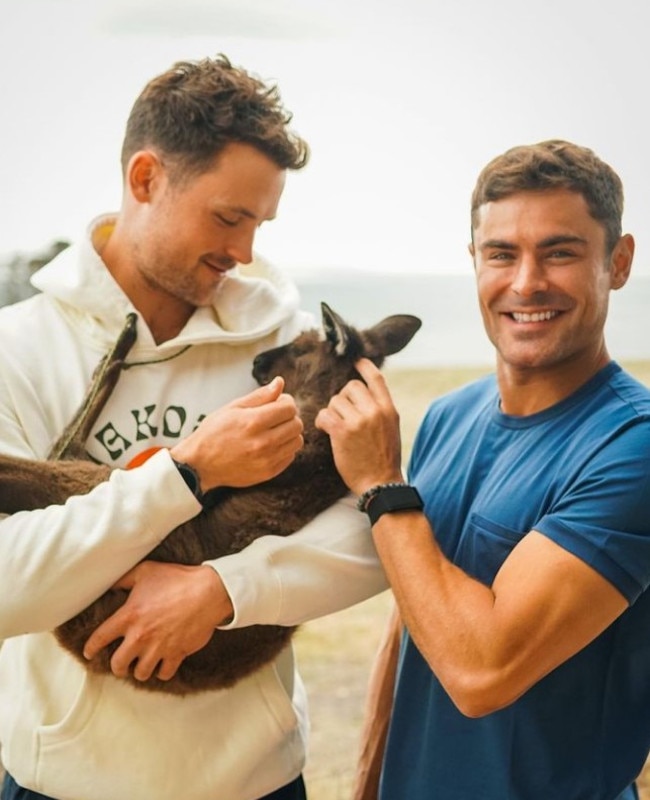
(127, 581)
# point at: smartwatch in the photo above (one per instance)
(389, 497)
(191, 478)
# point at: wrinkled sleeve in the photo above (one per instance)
(55, 561)
(328, 565)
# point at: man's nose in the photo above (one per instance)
(239, 246)
(530, 276)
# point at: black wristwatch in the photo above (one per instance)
(191, 478)
(388, 497)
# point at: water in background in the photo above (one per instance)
(452, 331)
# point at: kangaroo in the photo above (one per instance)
(314, 367)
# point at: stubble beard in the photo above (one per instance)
(180, 283)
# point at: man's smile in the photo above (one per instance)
(536, 316)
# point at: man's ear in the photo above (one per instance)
(143, 174)
(621, 261)
(472, 252)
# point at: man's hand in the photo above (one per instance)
(171, 612)
(363, 426)
(250, 440)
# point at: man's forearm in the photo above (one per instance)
(488, 645)
(55, 561)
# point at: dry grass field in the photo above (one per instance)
(335, 652)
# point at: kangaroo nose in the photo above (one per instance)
(259, 363)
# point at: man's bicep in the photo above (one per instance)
(553, 604)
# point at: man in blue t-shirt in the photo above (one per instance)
(519, 554)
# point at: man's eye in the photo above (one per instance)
(501, 255)
(227, 220)
(560, 256)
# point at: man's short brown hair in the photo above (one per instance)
(193, 110)
(555, 164)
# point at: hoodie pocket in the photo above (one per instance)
(119, 741)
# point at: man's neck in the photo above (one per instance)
(164, 314)
(528, 391)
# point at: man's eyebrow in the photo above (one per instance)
(550, 241)
(497, 244)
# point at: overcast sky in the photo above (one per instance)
(402, 102)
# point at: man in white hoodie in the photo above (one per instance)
(206, 150)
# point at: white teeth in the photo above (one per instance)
(539, 316)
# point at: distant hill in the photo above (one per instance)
(17, 269)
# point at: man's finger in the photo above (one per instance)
(121, 661)
(372, 375)
(110, 630)
(324, 420)
(271, 415)
(262, 395)
(145, 666)
(127, 581)
(168, 669)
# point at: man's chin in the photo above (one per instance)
(528, 358)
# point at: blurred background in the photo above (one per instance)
(402, 103)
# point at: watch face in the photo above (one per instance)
(188, 474)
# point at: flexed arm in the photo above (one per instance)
(486, 644)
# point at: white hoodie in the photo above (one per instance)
(76, 736)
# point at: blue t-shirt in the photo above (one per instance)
(579, 473)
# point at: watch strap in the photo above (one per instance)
(389, 497)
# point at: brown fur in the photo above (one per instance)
(314, 369)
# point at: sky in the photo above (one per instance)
(402, 103)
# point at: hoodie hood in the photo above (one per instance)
(252, 301)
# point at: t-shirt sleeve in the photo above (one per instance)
(604, 516)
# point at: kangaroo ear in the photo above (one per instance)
(390, 336)
(336, 330)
